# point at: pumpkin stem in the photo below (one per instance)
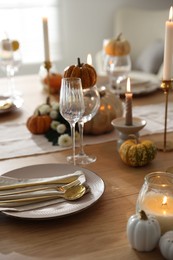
(48, 100)
(143, 215)
(78, 62)
(134, 137)
(39, 114)
(119, 37)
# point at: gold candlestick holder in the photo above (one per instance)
(165, 146)
(48, 66)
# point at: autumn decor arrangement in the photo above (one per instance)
(137, 153)
(117, 46)
(47, 120)
(143, 231)
(144, 234)
(84, 71)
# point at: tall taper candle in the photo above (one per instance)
(168, 48)
(46, 39)
(128, 102)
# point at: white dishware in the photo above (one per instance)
(92, 104)
(117, 69)
(71, 106)
(58, 208)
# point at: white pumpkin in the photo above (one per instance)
(143, 232)
(166, 245)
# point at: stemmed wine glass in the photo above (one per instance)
(10, 61)
(117, 69)
(71, 106)
(92, 104)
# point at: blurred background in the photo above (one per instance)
(76, 27)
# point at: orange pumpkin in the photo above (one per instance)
(86, 72)
(38, 124)
(118, 47)
(53, 83)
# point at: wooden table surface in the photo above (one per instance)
(98, 232)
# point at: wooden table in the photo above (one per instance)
(98, 232)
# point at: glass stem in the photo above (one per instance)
(73, 141)
(81, 147)
(10, 76)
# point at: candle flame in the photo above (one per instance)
(89, 59)
(164, 202)
(171, 14)
(128, 85)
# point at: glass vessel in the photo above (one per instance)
(117, 69)
(92, 104)
(156, 198)
(10, 61)
(71, 106)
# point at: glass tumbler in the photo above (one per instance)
(156, 198)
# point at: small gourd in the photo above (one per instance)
(110, 108)
(166, 245)
(143, 232)
(137, 153)
(118, 47)
(38, 124)
(85, 72)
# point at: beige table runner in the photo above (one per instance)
(17, 141)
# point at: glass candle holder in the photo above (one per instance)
(156, 198)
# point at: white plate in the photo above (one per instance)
(95, 183)
(141, 83)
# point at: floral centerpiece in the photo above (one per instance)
(47, 120)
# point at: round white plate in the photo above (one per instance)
(141, 83)
(61, 209)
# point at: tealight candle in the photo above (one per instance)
(46, 39)
(128, 102)
(156, 198)
(161, 207)
(168, 48)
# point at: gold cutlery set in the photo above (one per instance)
(15, 193)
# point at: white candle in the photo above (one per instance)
(89, 59)
(128, 101)
(46, 39)
(168, 48)
(161, 207)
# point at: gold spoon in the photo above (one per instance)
(73, 193)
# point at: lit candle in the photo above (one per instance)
(161, 207)
(128, 101)
(46, 39)
(89, 59)
(168, 48)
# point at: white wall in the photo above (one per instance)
(85, 23)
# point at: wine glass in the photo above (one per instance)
(71, 106)
(117, 69)
(92, 104)
(10, 61)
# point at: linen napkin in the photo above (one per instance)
(8, 184)
(30, 197)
